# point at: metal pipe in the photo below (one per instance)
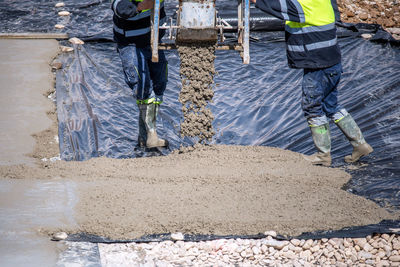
(246, 37)
(154, 30)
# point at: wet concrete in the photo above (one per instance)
(26, 207)
(25, 75)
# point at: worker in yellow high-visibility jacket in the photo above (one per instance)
(132, 33)
(311, 44)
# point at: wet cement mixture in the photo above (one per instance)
(223, 190)
(197, 73)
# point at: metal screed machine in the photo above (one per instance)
(198, 21)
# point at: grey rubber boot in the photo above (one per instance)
(322, 140)
(148, 115)
(353, 133)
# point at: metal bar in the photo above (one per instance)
(33, 35)
(246, 37)
(155, 15)
(236, 47)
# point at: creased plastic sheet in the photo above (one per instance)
(256, 104)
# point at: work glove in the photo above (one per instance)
(126, 9)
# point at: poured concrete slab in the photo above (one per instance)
(26, 206)
(25, 75)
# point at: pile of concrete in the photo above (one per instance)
(377, 250)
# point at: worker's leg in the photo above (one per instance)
(159, 75)
(149, 107)
(314, 91)
(129, 61)
(342, 118)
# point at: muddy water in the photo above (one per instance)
(27, 207)
(197, 74)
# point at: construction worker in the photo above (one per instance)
(132, 33)
(311, 45)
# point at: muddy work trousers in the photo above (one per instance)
(140, 72)
(320, 92)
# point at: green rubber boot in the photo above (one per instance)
(353, 133)
(148, 134)
(322, 140)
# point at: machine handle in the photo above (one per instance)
(155, 25)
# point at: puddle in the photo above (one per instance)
(27, 206)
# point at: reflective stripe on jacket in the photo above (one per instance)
(137, 29)
(310, 31)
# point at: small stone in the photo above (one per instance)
(66, 49)
(295, 242)
(393, 30)
(177, 236)
(75, 40)
(383, 263)
(385, 236)
(289, 254)
(59, 26)
(396, 245)
(255, 250)
(395, 258)
(270, 233)
(349, 13)
(364, 255)
(341, 264)
(363, 16)
(60, 4)
(315, 248)
(360, 242)
(366, 36)
(308, 244)
(367, 247)
(381, 254)
(56, 65)
(276, 243)
(59, 236)
(64, 13)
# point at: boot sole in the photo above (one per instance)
(153, 146)
(349, 159)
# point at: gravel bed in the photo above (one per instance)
(377, 250)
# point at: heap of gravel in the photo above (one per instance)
(382, 12)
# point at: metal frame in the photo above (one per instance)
(243, 44)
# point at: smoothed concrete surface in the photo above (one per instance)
(25, 75)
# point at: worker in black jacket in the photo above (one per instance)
(311, 45)
(132, 33)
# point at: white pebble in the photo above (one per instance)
(366, 36)
(75, 40)
(66, 49)
(59, 236)
(177, 236)
(270, 233)
(64, 13)
(60, 4)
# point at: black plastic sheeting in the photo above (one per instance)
(384, 227)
